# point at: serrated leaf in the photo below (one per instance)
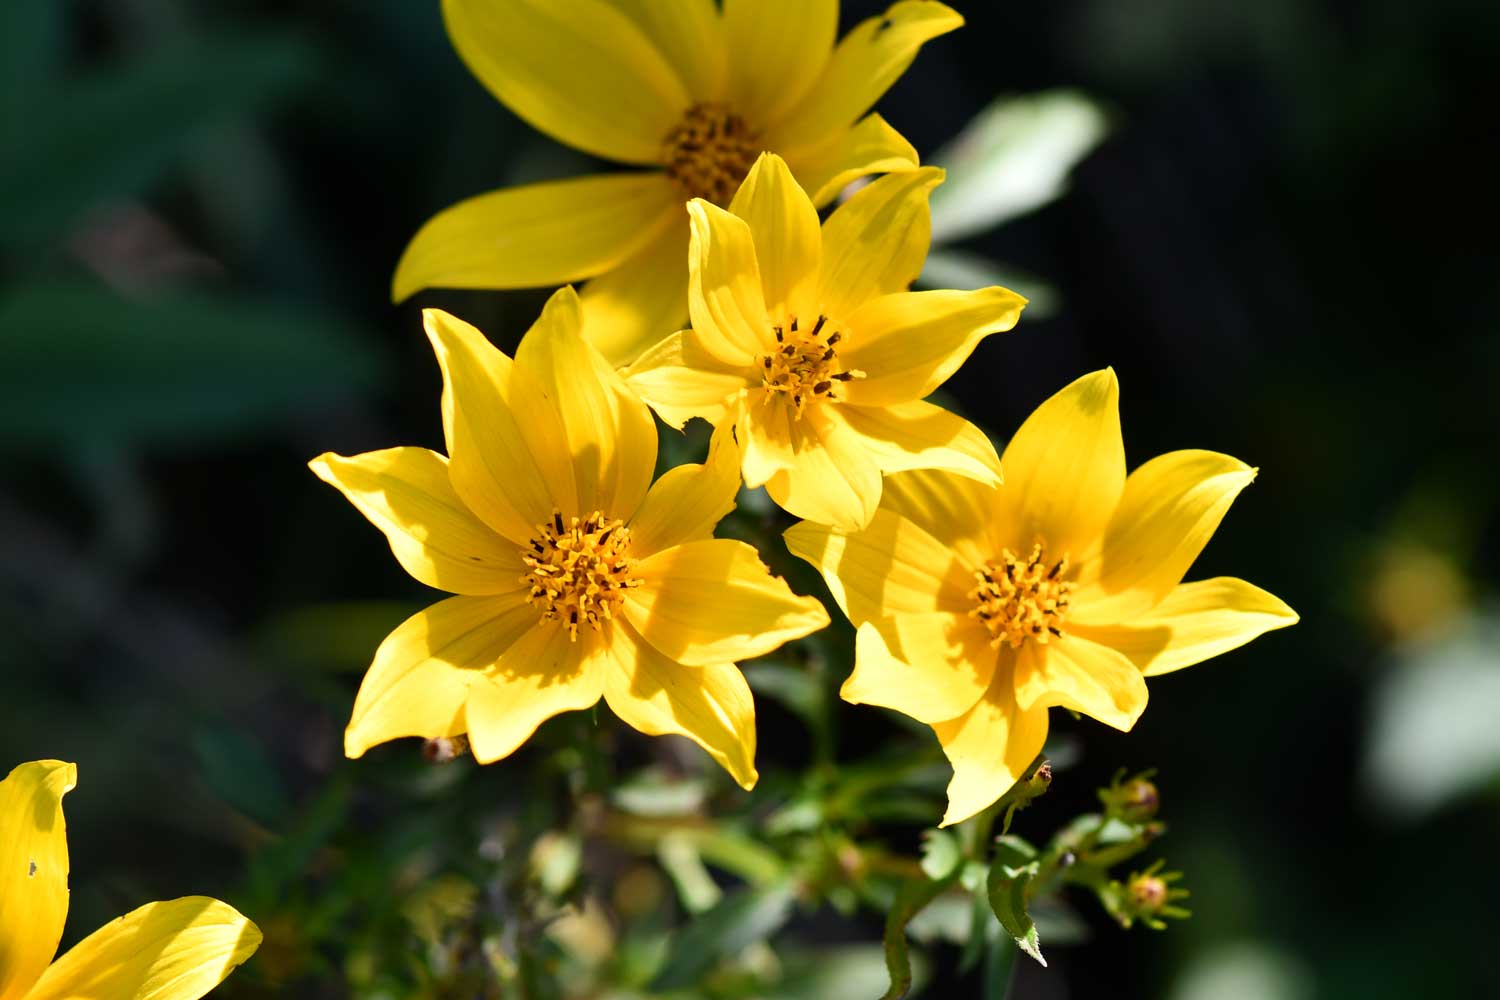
(739, 920)
(911, 897)
(1008, 889)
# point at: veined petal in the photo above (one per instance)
(542, 674)
(420, 679)
(688, 501)
(834, 162)
(1194, 622)
(990, 746)
(713, 601)
(864, 65)
(1065, 470)
(632, 306)
(1083, 676)
(580, 71)
(876, 242)
(955, 510)
(831, 478)
(680, 380)
(909, 343)
(405, 492)
(788, 243)
(922, 435)
(724, 287)
(764, 428)
(1171, 507)
(931, 667)
(689, 36)
(891, 567)
(539, 234)
(611, 438)
(176, 950)
(776, 52)
(710, 705)
(507, 456)
(33, 871)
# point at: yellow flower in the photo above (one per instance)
(806, 339)
(177, 950)
(579, 578)
(680, 86)
(978, 608)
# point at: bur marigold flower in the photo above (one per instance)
(685, 88)
(978, 608)
(808, 342)
(578, 578)
(177, 950)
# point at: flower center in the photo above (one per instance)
(1019, 600)
(709, 152)
(805, 364)
(579, 572)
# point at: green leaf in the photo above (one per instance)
(999, 966)
(739, 920)
(238, 768)
(1008, 888)
(794, 687)
(941, 853)
(911, 897)
(855, 970)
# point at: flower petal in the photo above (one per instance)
(955, 510)
(582, 72)
(422, 672)
(777, 52)
(834, 162)
(688, 501)
(909, 343)
(635, 305)
(33, 870)
(680, 380)
(864, 65)
(507, 456)
(990, 746)
(611, 438)
(710, 705)
(1196, 621)
(541, 675)
(922, 435)
(876, 242)
(539, 234)
(788, 241)
(1171, 507)
(831, 478)
(1065, 470)
(1083, 676)
(713, 601)
(725, 299)
(405, 492)
(931, 667)
(689, 36)
(176, 950)
(889, 568)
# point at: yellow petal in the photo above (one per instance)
(1171, 507)
(1083, 676)
(686, 503)
(835, 161)
(713, 601)
(688, 34)
(788, 243)
(710, 705)
(864, 65)
(955, 510)
(33, 871)
(724, 290)
(776, 53)
(876, 242)
(891, 567)
(581, 71)
(507, 456)
(681, 380)
(611, 438)
(909, 343)
(990, 746)
(831, 478)
(763, 426)
(635, 305)
(176, 950)
(540, 234)
(1065, 469)
(542, 674)
(422, 672)
(405, 492)
(931, 667)
(1196, 621)
(922, 435)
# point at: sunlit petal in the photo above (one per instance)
(990, 746)
(835, 161)
(725, 300)
(1083, 676)
(932, 667)
(831, 477)
(689, 36)
(687, 502)
(543, 673)
(682, 380)
(33, 871)
(776, 52)
(633, 306)
(955, 510)
(788, 242)
(876, 242)
(921, 435)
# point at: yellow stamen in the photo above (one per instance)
(709, 152)
(1019, 600)
(805, 364)
(579, 572)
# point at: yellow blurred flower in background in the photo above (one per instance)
(683, 87)
(978, 608)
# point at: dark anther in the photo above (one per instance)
(557, 521)
(1055, 570)
(794, 324)
(834, 338)
(818, 326)
(822, 387)
(779, 334)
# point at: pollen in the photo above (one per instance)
(578, 571)
(1020, 599)
(709, 152)
(805, 364)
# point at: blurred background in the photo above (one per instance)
(1275, 220)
